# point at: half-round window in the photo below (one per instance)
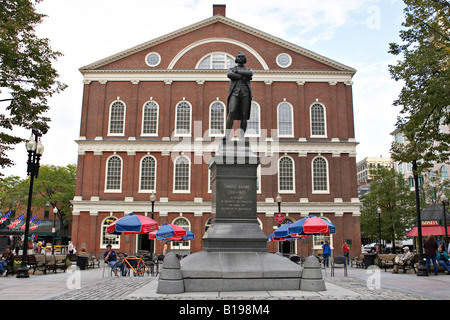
(216, 60)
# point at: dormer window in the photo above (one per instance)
(216, 60)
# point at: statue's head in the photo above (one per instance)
(240, 58)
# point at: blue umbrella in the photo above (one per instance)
(282, 231)
(311, 225)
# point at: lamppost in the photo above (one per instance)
(35, 150)
(152, 242)
(379, 228)
(421, 269)
(55, 211)
(278, 200)
(444, 203)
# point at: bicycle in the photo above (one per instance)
(137, 265)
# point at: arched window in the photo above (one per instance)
(183, 119)
(319, 240)
(181, 245)
(148, 174)
(444, 173)
(113, 240)
(285, 120)
(216, 60)
(150, 114)
(113, 174)
(217, 118)
(320, 175)
(286, 174)
(253, 124)
(318, 122)
(182, 174)
(117, 119)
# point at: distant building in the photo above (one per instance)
(439, 171)
(364, 166)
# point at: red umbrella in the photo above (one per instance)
(132, 224)
(311, 225)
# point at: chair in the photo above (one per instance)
(295, 258)
(339, 263)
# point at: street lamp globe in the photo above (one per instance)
(39, 148)
(152, 197)
(278, 199)
(31, 145)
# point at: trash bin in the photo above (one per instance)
(82, 261)
(369, 259)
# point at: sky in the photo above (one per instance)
(356, 33)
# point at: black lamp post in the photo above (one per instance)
(278, 200)
(152, 199)
(35, 150)
(421, 269)
(55, 211)
(379, 228)
(444, 203)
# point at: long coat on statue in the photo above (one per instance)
(234, 77)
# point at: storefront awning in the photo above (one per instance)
(434, 230)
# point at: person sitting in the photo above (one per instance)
(7, 258)
(442, 258)
(404, 258)
(111, 258)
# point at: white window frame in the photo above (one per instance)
(293, 175)
(254, 105)
(223, 120)
(176, 120)
(157, 120)
(291, 135)
(290, 60)
(140, 174)
(103, 232)
(185, 245)
(327, 191)
(175, 176)
(211, 62)
(325, 135)
(124, 119)
(153, 65)
(106, 175)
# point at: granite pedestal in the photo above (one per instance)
(234, 255)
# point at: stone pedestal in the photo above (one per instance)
(234, 255)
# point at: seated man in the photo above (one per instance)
(7, 258)
(111, 258)
(401, 260)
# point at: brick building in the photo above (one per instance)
(153, 115)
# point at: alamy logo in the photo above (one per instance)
(374, 280)
(74, 279)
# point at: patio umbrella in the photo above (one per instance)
(311, 225)
(188, 236)
(271, 237)
(132, 224)
(168, 230)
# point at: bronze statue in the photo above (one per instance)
(239, 94)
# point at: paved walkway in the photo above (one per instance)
(361, 284)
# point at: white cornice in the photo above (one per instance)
(199, 147)
(205, 207)
(229, 22)
(214, 75)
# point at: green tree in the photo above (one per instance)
(56, 185)
(425, 71)
(27, 77)
(390, 192)
(13, 194)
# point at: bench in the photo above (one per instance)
(386, 261)
(358, 261)
(411, 263)
(92, 261)
(50, 261)
(61, 262)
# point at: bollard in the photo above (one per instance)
(170, 278)
(312, 279)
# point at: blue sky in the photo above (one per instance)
(353, 32)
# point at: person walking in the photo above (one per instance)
(430, 253)
(346, 249)
(326, 251)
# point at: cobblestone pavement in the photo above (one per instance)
(338, 288)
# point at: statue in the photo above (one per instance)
(239, 95)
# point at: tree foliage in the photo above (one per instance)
(390, 192)
(27, 77)
(425, 71)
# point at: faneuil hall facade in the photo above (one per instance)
(153, 115)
